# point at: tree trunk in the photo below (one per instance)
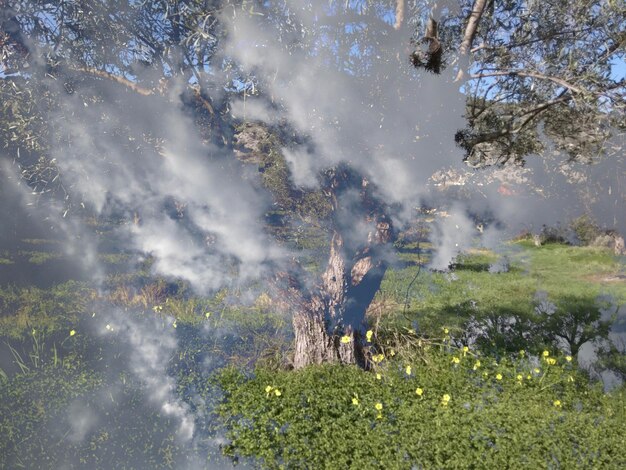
(329, 323)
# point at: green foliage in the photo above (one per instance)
(586, 229)
(506, 414)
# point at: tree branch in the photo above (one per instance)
(115, 78)
(470, 32)
(521, 73)
(399, 14)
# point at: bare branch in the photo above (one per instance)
(399, 14)
(115, 78)
(470, 31)
(521, 73)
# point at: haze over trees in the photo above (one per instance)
(241, 136)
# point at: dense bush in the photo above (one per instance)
(446, 408)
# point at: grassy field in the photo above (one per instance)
(77, 380)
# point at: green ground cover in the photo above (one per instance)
(322, 416)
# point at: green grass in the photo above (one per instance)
(49, 310)
(450, 299)
(40, 257)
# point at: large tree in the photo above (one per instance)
(524, 66)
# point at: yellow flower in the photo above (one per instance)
(519, 377)
(568, 358)
(72, 333)
(369, 335)
(537, 370)
(557, 403)
(392, 353)
(445, 399)
(378, 406)
(498, 376)
(570, 378)
(277, 393)
(476, 365)
(207, 314)
(174, 324)
(419, 391)
(355, 401)
(522, 353)
(378, 376)
(528, 377)
(378, 358)
(408, 370)
(545, 354)
(268, 389)
(346, 339)
(465, 350)
(551, 361)
(456, 360)
(445, 330)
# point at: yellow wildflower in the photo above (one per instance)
(392, 353)
(455, 360)
(378, 376)
(378, 358)
(277, 392)
(551, 361)
(545, 354)
(408, 370)
(570, 378)
(369, 335)
(72, 332)
(445, 330)
(268, 389)
(476, 365)
(568, 358)
(537, 370)
(557, 403)
(528, 377)
(207, 314)
(498, 376)
(520, 377)
(465, 350)
(345, 339)
(378, 406)
(445, 399)
(419, 391)
(174, 324)
(522, 353)
(355, 401)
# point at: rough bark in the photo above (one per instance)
(336, 307)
